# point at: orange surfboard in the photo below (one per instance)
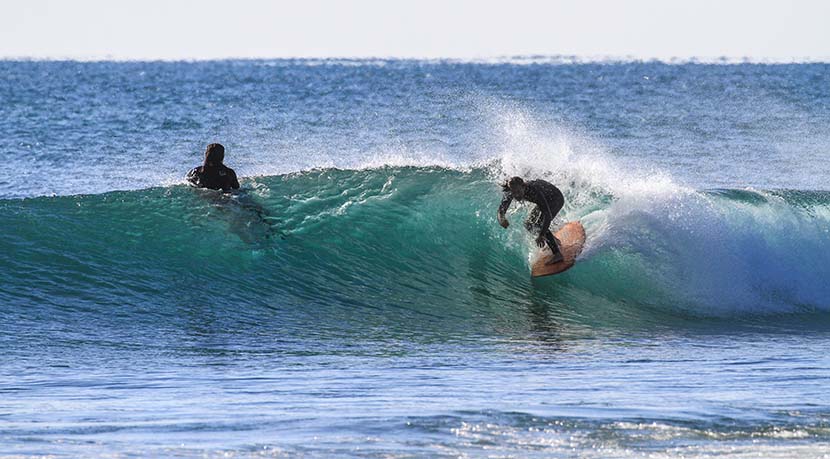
(571, 241)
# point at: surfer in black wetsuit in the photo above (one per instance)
(549, 202)
(213, 174)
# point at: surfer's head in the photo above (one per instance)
(517, 187)
(214, 155)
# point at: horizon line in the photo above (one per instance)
(531, 59)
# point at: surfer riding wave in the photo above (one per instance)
(549, 201)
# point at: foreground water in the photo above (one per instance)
(359, 299)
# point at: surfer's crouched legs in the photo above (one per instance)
(533, 220)
(532, 224)
(553, 243)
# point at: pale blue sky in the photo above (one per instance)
(189, 29)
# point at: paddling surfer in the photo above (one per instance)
(213, 173)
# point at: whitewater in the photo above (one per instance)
(358, 297)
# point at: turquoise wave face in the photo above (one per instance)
(401, 249)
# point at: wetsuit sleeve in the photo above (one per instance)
(505, 203)
(234, 181)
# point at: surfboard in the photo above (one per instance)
(571, 241)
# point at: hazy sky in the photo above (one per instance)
(185, 29)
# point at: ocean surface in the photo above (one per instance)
(358, 297)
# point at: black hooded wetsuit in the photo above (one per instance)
(216, 178)
(549, 202)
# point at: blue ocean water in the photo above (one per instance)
(358, 298)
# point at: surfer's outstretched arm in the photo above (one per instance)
(505, 203)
